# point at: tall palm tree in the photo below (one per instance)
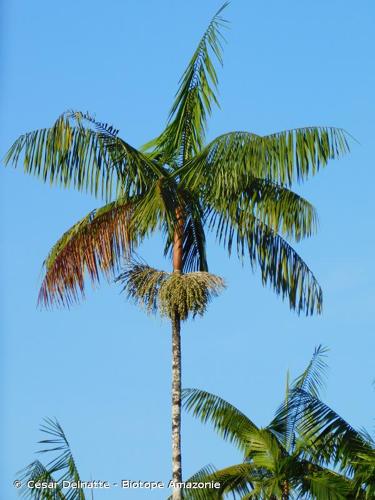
(308, 451)
(236, 186)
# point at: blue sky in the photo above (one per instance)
(103, 368)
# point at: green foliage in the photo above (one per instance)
(184, 135)
(285, 157)
(61, 468)
(235, 187)
(80, 152)
(307, 451)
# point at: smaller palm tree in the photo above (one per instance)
(61, 468)
(307, 451)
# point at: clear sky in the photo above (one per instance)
(103, 368)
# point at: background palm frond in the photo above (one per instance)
(61, 468)
(227, 420)
(311, 380)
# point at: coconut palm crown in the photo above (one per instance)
(236, 186)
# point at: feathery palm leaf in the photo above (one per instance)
(326, 485)
(201, 494)
(185, 132)
(229, 422)
(233, 158)
(312, 378)
(280, 265)
(59, 469)
(308, 451)
(311, 381)
(90, 158)
(36, 471)
(331, 434)
(234, 479)
(95, 244)
(279, 208)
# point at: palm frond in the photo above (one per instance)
(237, 480)
(97, 243)
(311, 381)
(264, 449)
(194, 243)
(274, 205)
(232, 158)
(156, 209)
(185, 132)
(312, 378)
(61, 468)
(363, 467)
(332, 437)
(90, 158)
(201, 476)
(170, 293)
(227, 420)
(327, 485)
(37, 472)
(280, 265)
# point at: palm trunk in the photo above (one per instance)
(176, 365)
(176, 405)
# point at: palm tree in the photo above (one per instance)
(61, 468)
(236, 186)
(307, 451)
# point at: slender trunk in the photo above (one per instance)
(176, 405)
(176, 365)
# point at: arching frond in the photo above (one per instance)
(36, 471)
(97, 243)
(185, 132)
(284, 157)
(194, 244)
(227, 420)
(311, 381)
(236, 480)
(78, 151)
(156, 209)
(280, 265)
(331, 436)
(363, 466)
(170, 293)
(264, 450)
(327, 485)
(61, 468)
(279, 208)
(312, 378)
(202, 476)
